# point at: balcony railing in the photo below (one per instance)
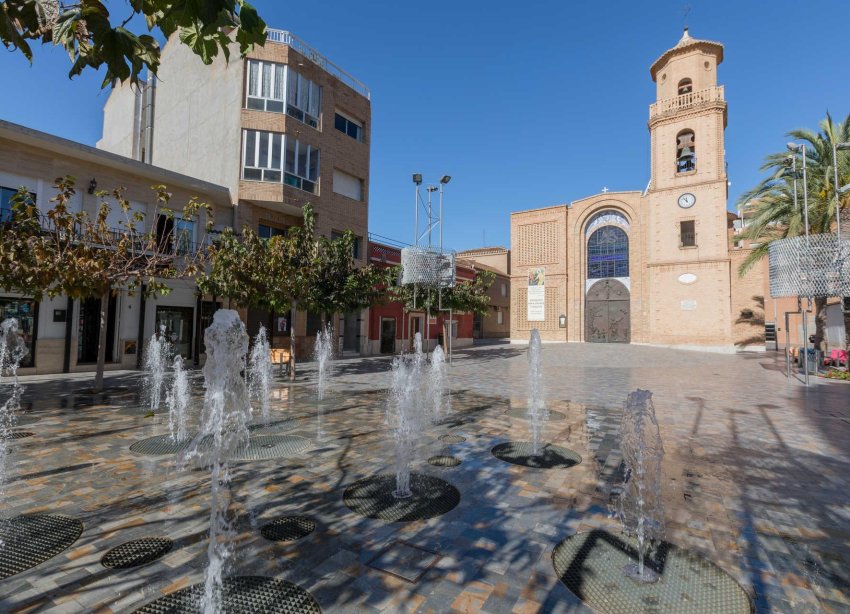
(686, 101)
(287, 38)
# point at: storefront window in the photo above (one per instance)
(25, 311)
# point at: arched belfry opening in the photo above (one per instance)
(607, 282)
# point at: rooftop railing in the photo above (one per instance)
(686, 101)
(287, 38)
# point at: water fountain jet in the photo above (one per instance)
(260, 372)
(155, 365)
(537, 412)
(13, 349)
(641, 508)
(177, 401)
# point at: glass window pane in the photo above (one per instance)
(292, 180)
(290, 154)
(254, 174)
(352, 130)
(608, 253)
(274, 106)
(250, 144)
(301, 168)
(340, 123)
(291, 86)
(278, 82)
(263, 158)
(303, 93)
(315, 100)
(313, 172)
(267, 80)
(253, 74)
(271, 176)
(277, 151)
(256, 104)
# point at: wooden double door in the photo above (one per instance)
(607, 314)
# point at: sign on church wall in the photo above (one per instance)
(536, 307)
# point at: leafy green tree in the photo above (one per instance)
(79, 255)
(340, 285)
(769, 207)
(297, 270)
(92, 39)
(468, 296)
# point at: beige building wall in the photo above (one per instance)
(34, 159)
(497, 260)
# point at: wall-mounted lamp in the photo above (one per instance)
(92, 185)
(417, 178)
(562, 321)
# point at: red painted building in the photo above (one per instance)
(391, 327)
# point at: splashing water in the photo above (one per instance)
(440, 405)
(260, 372)
(177, 401)
(641, 508)
(223, 430)
(156, 364)
(537, 412)
(13, 349)
(322, 352)
(404, 412)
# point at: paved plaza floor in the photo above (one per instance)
(755, 479)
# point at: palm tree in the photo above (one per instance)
(770, 208)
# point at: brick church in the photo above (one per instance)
(657, 266)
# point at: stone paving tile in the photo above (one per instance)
(755, 479)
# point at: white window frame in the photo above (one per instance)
(267, 173)
(306, 179)
(301, 178)
(294, 79)
(350, 120)
(276, 76)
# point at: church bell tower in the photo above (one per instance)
(687, 242)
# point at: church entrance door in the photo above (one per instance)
(608, 316)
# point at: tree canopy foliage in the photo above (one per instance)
(92, 38)
(466, 295)
(770, 208)
(74, 253)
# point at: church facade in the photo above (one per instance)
(658, 266)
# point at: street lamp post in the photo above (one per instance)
(836, 147)
(801, 148)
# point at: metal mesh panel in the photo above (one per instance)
(427, 267)
(813, 267)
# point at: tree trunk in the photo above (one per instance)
(292, 341)
(820, 322)
(101, 342)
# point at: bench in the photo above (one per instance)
(280, 357)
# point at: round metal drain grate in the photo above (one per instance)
(522, 414)
(159, 445)
(19, 435)
(27, 541)
(288, 528)
(444, 460)
(549, 457)
(591, 566)
(452, 438)
(137, 552)
(372, 497)
(260, 447)
(240, 594)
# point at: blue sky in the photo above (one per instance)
(524, 104)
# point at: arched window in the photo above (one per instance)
(686, 153)
(685, 87)
(608, 253)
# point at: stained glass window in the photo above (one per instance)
(608, 253)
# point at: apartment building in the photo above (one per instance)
(280, 128)
(496, 323)
(61, 333)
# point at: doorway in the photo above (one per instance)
(417, 325)
(388, 335)
(351, 332)
(88, 329)
(178, 327)
(608, 317)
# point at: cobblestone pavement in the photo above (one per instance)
(755, 472)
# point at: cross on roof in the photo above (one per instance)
(605, 189)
